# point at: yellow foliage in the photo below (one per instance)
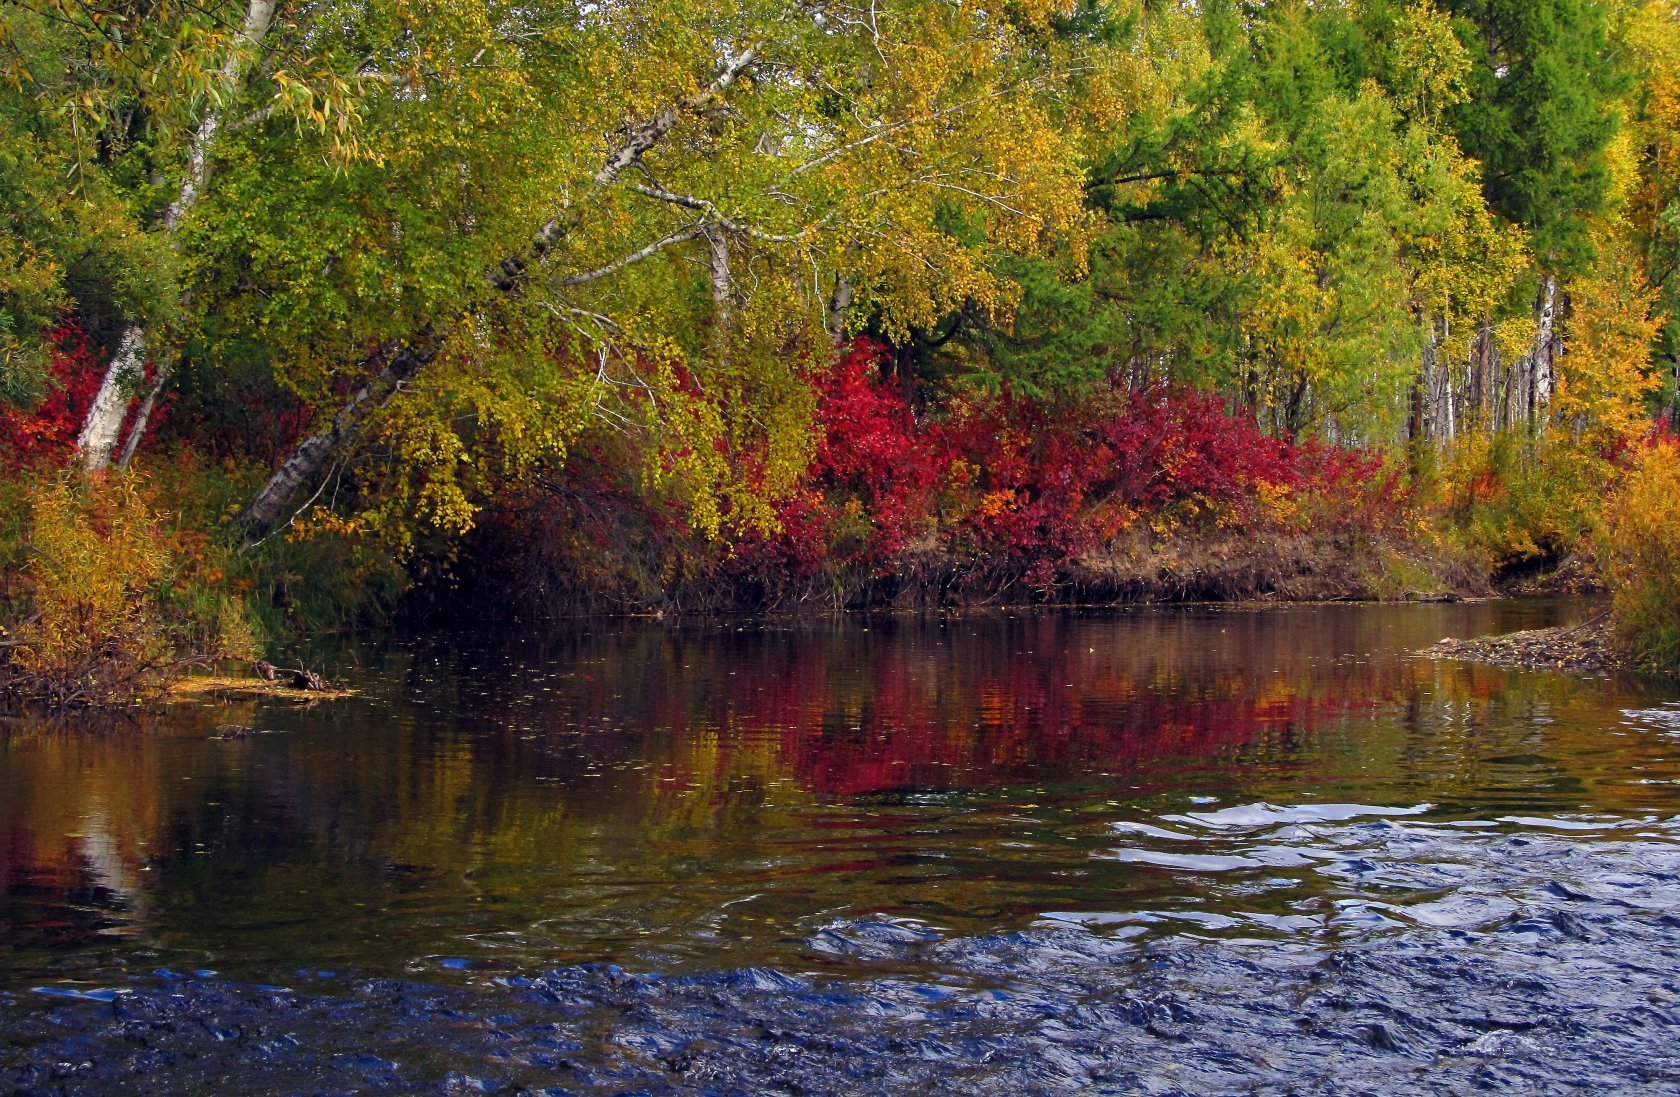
(1604, 378)
(1277, 503)
(1642, 557)
(106, 620)
(1430, 63)
(1508, 499)
(1652, 133)
(994, 503)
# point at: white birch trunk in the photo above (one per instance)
(98, 437)
(1544, 377)
(1449, 408)
(723, 295)
(110, 404)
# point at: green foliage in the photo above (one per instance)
(1540, 114)
(1274, 227)
(59, 245)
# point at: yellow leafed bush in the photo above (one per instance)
(1643, 561)
(110, 606)
(1606, 378)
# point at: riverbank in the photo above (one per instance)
(1138, 568)
(1587, 648)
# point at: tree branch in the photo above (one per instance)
(638, 140)
(716, 216)
(637, 256)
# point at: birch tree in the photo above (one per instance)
(112, 403)
(771, 158)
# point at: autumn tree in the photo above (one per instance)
(1540, 114)
(650, 219)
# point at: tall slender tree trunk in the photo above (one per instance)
(1674, 398)
(1519, 392)
(1481, 380)
(1448, 404)
(1542, 375)
(1416, 432)
(1421, 423)
(117, 389)
(1446, 395)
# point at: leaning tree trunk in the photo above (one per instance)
(400, 363)
(110, 406)
(143, 415)
(270, 504)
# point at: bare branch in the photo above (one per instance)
(634, 257)
(640, 138)
(705, 205)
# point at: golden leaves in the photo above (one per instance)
(1606, 374)
(1430, 64)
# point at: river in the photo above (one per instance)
(1191, 850)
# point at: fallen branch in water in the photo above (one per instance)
(291, 677)
(251, 689)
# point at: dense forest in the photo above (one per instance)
(316, 311)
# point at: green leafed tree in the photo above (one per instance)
(652, 220)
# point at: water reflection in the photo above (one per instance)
(716, 795)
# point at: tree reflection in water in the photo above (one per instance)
(709, 794)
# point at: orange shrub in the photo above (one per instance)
(110, 604)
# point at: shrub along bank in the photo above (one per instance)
(427, 307)
(1120, 495)
(115, 584)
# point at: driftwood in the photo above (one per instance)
(294, 677)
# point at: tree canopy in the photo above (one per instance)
(397, 263)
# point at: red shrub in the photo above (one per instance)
(1050, 484)
(871, 479)
(48, 430)
(1027, 486)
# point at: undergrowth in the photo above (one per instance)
(107, 598)
(1642, 558)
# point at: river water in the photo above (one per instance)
(1198, 850)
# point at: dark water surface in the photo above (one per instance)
(1187, 851)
